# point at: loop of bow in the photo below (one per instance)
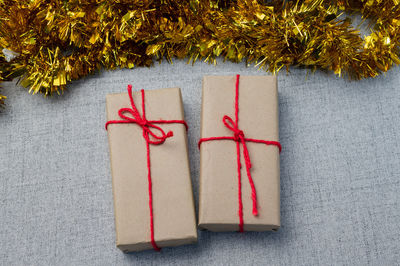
(239, 137)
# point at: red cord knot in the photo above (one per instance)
(238, 135)
(142, 123)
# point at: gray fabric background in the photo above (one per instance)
(340, 170)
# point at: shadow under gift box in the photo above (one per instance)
(173, 207)
(258, 119)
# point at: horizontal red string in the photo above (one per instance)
(266, 142)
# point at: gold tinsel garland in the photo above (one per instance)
(49, 43)
(2, 64)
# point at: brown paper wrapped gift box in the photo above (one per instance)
(173, 208)
(258, 118)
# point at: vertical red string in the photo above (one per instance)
(153, 242)
(237, 101)
(143, 106)
(239, 164)
(150, 183)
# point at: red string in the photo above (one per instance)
(239, 138)
(150, 138)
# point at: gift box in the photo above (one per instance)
(239, 154)
(153, 200)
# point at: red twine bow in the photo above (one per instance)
(240, 139)
(148, 126)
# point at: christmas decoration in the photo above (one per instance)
(49, 43)
(2, 97)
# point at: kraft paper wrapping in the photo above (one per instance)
(173, 207)
(258, 118)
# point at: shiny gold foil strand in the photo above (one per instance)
(2, 69)
(60, 41)
(2, 99)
